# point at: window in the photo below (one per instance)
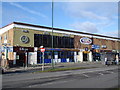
(66, 40)
(58, 41)
(38, 41)
(44, 40)
(55, 41)
(5, 37)
(72, 43)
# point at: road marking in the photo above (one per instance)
(32, 86)
(85, 75)
(58, 82)
(44, 84)
(109, 72)
(101, 73)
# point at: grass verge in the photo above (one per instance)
(65, 69)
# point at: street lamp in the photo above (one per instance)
(52, 34)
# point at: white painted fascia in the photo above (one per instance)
(50, 30)
(105, 38)
(5, 29)
(32, 27)
(71, 33)
(63, 32)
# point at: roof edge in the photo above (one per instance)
(67, 30)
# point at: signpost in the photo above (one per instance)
(42, 50)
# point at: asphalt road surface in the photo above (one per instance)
(93, 78)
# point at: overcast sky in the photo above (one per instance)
(92, 17)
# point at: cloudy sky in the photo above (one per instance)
(92, 17)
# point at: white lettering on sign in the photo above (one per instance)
(42, 49)
(104, 46)
(23, 49)
(85, 40)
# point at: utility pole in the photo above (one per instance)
(52, 34)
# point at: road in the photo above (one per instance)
(88, 78)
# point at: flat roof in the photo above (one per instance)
(59, 29)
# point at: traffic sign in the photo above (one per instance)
(42, 49)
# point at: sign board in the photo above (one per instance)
(2, 49)
(86, 48)
(35, 49)
(42, 49)
(95, 46)
(24, 39)
(85, 40)
(103, 46)
(54, 49)
(9, 49)
(18, 49)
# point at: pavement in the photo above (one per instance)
(58, 65)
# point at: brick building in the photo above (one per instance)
(20, 43)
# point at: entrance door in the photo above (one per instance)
(85, 57)
(20, 59)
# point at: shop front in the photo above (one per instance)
(21, 55)
(58, 55)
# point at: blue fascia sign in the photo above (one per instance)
(10, 49)
(54, 49)
(95, 46)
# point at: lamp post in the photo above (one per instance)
(52, 34)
